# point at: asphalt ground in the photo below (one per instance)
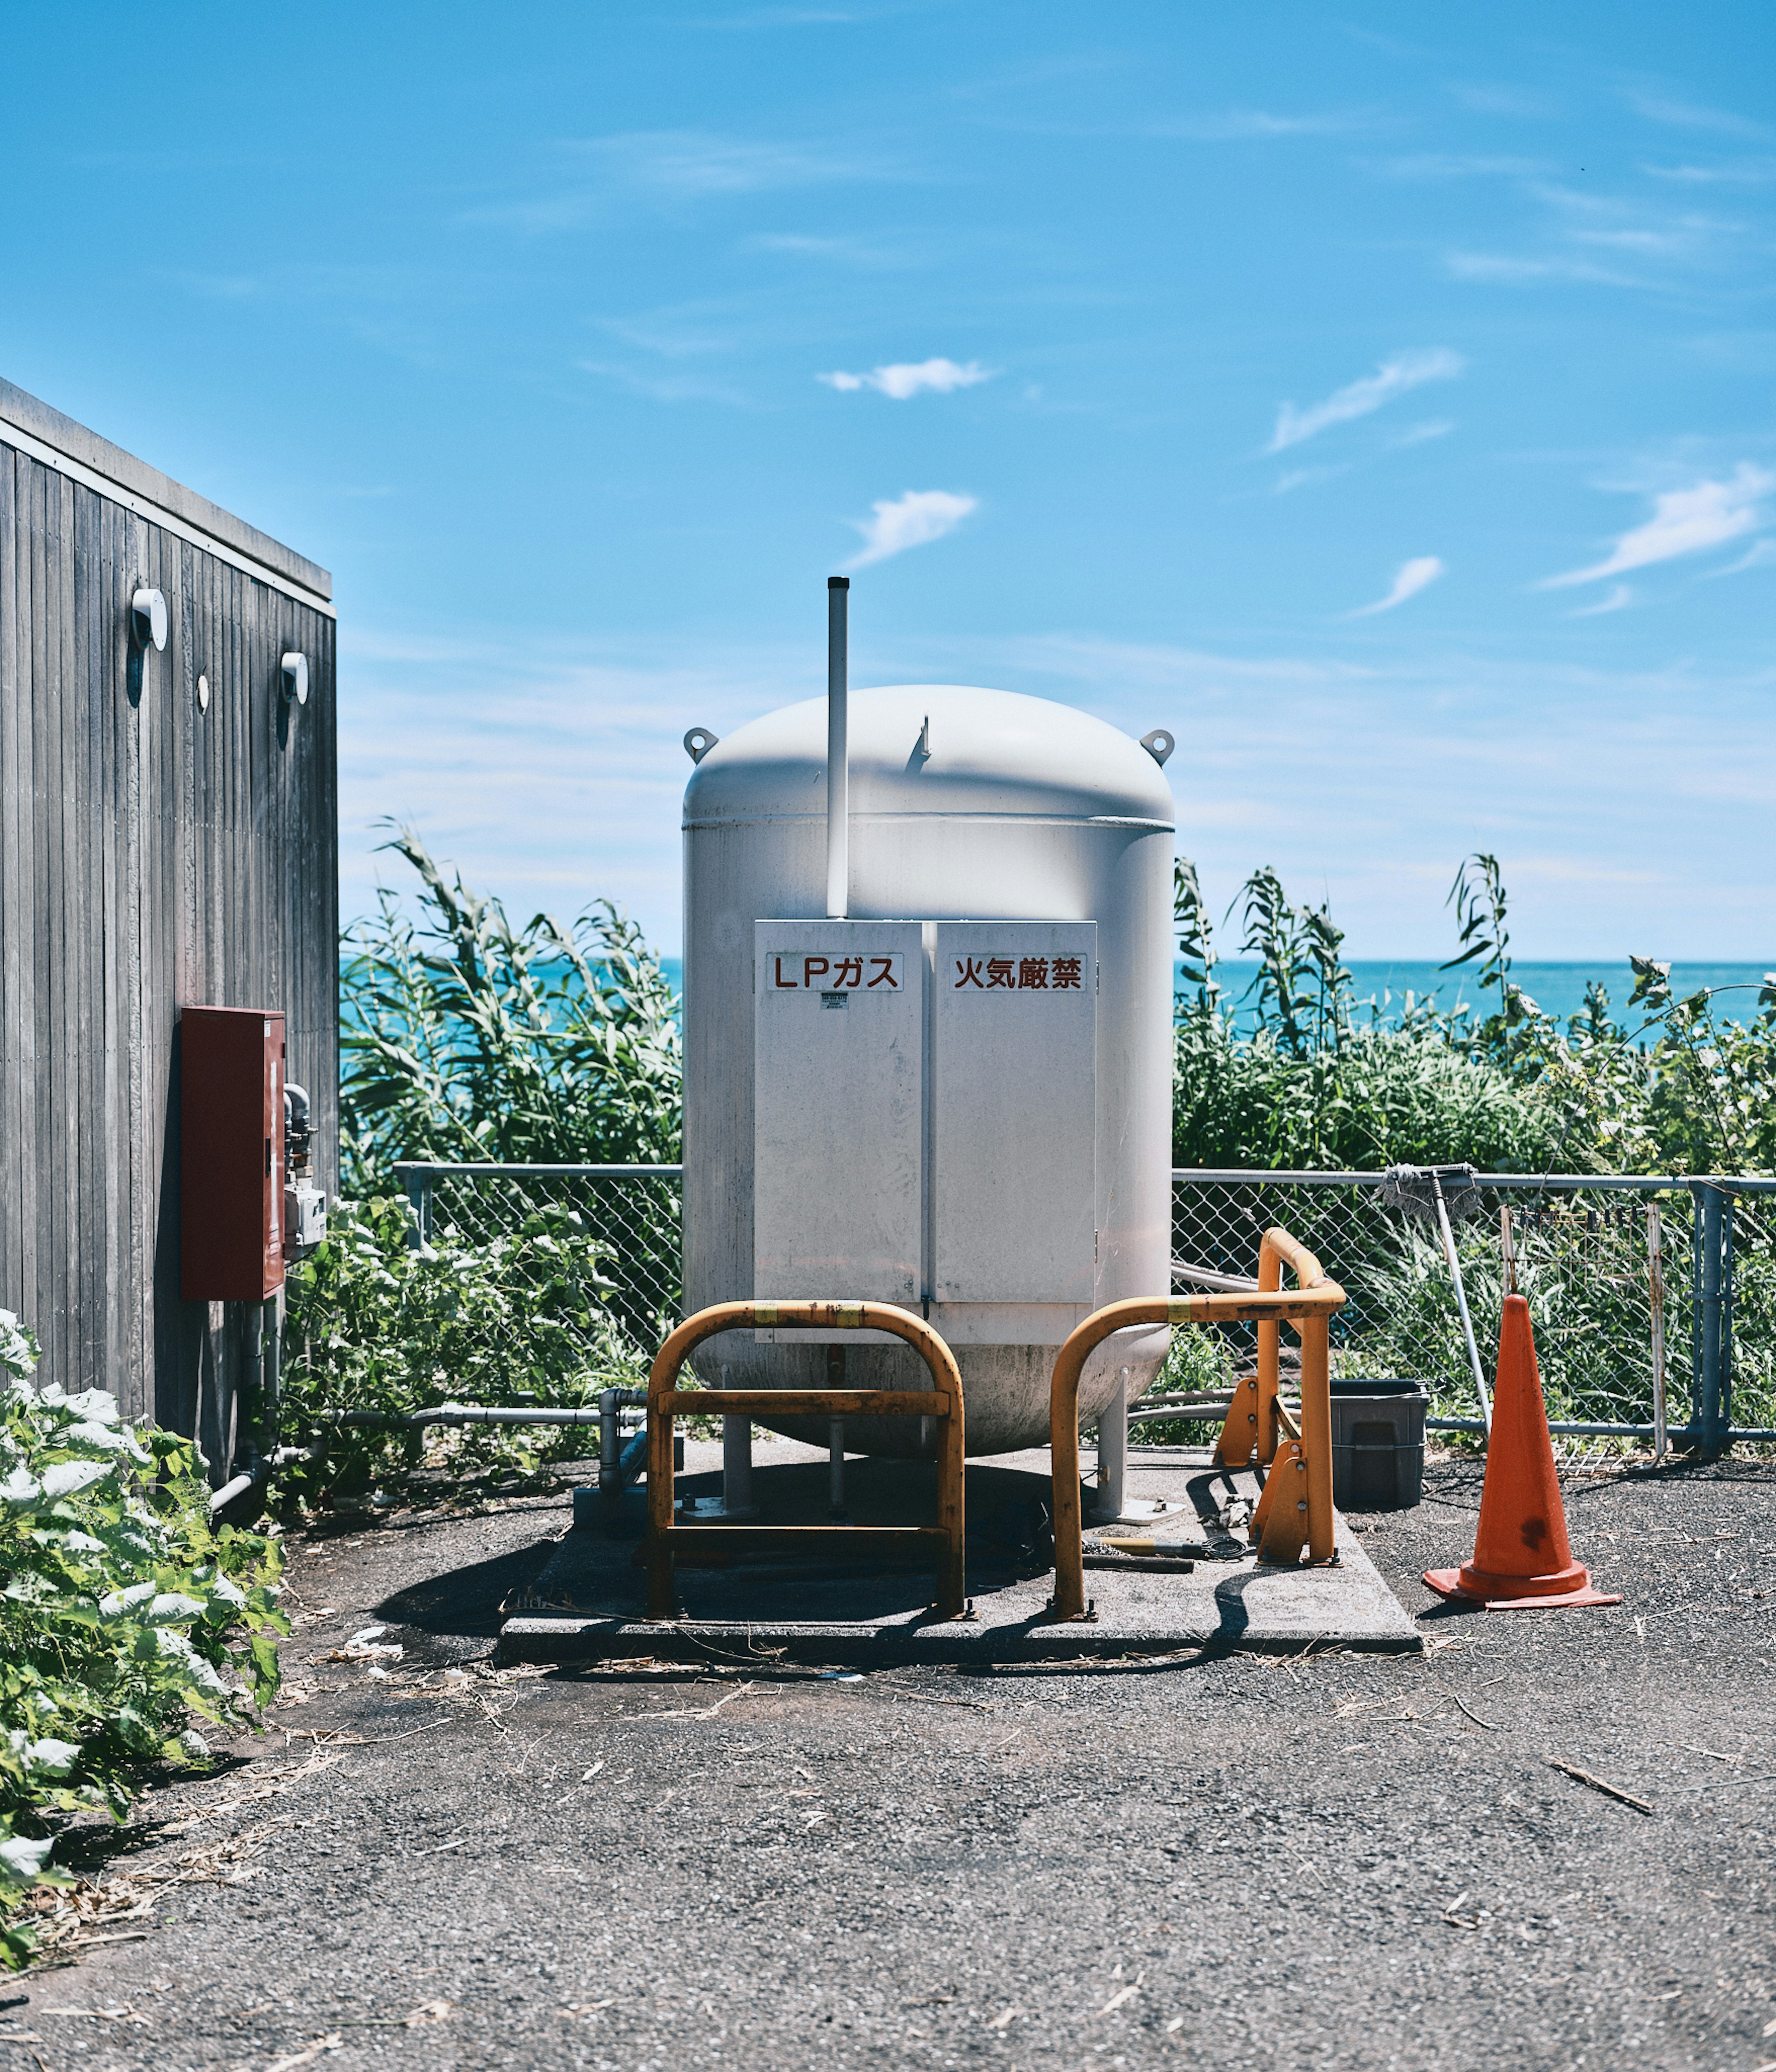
(1209, 1861)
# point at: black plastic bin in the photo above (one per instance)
(1378, 1443)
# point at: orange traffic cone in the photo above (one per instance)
(1521, 1561)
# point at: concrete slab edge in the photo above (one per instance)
(584, 1640)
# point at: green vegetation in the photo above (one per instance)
(467, 1038)
(124, 1614)
(1324, 1082)
(464, 1038)
(1679, 1086)
(378, 1323)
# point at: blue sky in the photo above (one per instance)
(1381, 396)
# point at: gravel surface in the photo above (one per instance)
(1214, 1861)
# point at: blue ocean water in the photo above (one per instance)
(1558, 989)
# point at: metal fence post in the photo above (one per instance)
(1656, 1275)
(1695, 1308)
(1726, 1316)
(1709, 1421)
(419, 1182)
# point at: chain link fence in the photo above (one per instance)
(1653, 1300)
(631, 1213)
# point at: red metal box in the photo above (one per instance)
(230, 1078)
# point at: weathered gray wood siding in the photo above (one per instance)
(151, 854)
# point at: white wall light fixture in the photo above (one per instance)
(296, 679)
(148, 620)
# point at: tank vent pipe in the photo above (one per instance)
(838, 775)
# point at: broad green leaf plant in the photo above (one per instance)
(126, 1618)
(378, 1323)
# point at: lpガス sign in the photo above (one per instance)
(811, 970)
(1020, 974)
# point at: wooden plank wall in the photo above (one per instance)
(152, 855)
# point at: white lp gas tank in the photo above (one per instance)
(958, 1098)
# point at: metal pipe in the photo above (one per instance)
(1656, 1275)
(1461, 1303)
(1206, 1276)
(424, 1167)
(609, 1444)
(1113, 1453)
(1734, 1434)
(417, 1181)
(1157, 1409)
(1633, 1183)
(230, 1490)
(1709, 1406)
(835, 1440)
(665, 1402)
(469, 1413)
(1695, 1308)
(1726, 1311)
(271, 1373)
(736, 1464)
(280, 1457)
(1306, 1302)
(838, 772)
(1316, 1434)
(835, 1471)
(1269, 1340)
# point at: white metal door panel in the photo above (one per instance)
(838, 1142)
(1013, 1110)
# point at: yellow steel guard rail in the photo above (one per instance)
(1283, 1522)
(943, 1401)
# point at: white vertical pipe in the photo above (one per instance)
(1110, 1499)
(838, 775)
(737, 1466)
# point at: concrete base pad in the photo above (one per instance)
(589, 1602)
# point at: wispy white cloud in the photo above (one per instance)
(687, 164)
(1418, 435)
(666, 388)
(1394, 377)
(1635, 240)
(907, 378)
(1680, 114)
(551, 770)
(1618, 598)
(862, 255)
(1304, 478)
(1419, 573)
(1463, 166)
(673, 168)
(1728, 173)
(1506, 269)
(912, 521)
(1684, 521)
(1761, 555)
(1505, 100)
(1243, 125)
(1624, 223)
